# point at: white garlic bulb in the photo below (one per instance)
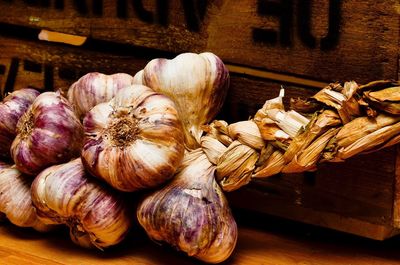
(15, 198)
(197, 83)
(95, 88)
(191, 212)
(134, 141)
(96, 215)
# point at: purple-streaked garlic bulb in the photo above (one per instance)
(11, 109)
(197, 83)
(16, 200)
(95, 214)
(135, 141)
(2, 166)
(191, 212)
(48, 133)
(94, 88)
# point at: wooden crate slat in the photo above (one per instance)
(324, 40)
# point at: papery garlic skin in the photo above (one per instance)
(135, 141)
(197, 83)
(191, 213)
(48, 133)
(95, 88)
(15, 199)
(11, 109)
(96, 215)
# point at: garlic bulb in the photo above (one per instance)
(15, 199)
(191, 212)
(94, 88)
(134, 141)
(11, 109)
(2, 166)
(197, 83)
(48, 133)
(96, 216)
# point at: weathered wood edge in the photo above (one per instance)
(311, 216)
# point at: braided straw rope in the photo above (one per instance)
(338, 122)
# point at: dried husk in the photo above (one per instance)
(370, 141)
(191, 213)
(235, 166)
(307, 159)
(272, 166)
(247, 133)
(318, 125)
(212, 148)
(361, 127)
(219, 130)
(386, 100)
(304, 105)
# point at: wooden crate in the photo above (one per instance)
(302, 45)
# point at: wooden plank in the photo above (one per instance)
(271, 244)
(49, 66)
(322, 40)
(396, 190)
(336, 221)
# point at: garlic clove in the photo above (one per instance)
(191, 213)
(15, 199)
(95, 88)
(48, 133)
(197, 83)
(135, 141)
(96, 215)
(12, 108)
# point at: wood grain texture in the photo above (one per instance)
(396, 190)
(323, 40)
(38, 63)
(274, 243)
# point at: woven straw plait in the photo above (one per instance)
(338, 122)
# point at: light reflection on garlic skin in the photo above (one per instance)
(48, 133)
(96, 215)
(12, 108)
(197, 83)
(95, 88)
(15, 199)
(135, 141)
(191, 212)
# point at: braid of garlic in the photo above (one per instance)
(337, 123)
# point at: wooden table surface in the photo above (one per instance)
(272, 242)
